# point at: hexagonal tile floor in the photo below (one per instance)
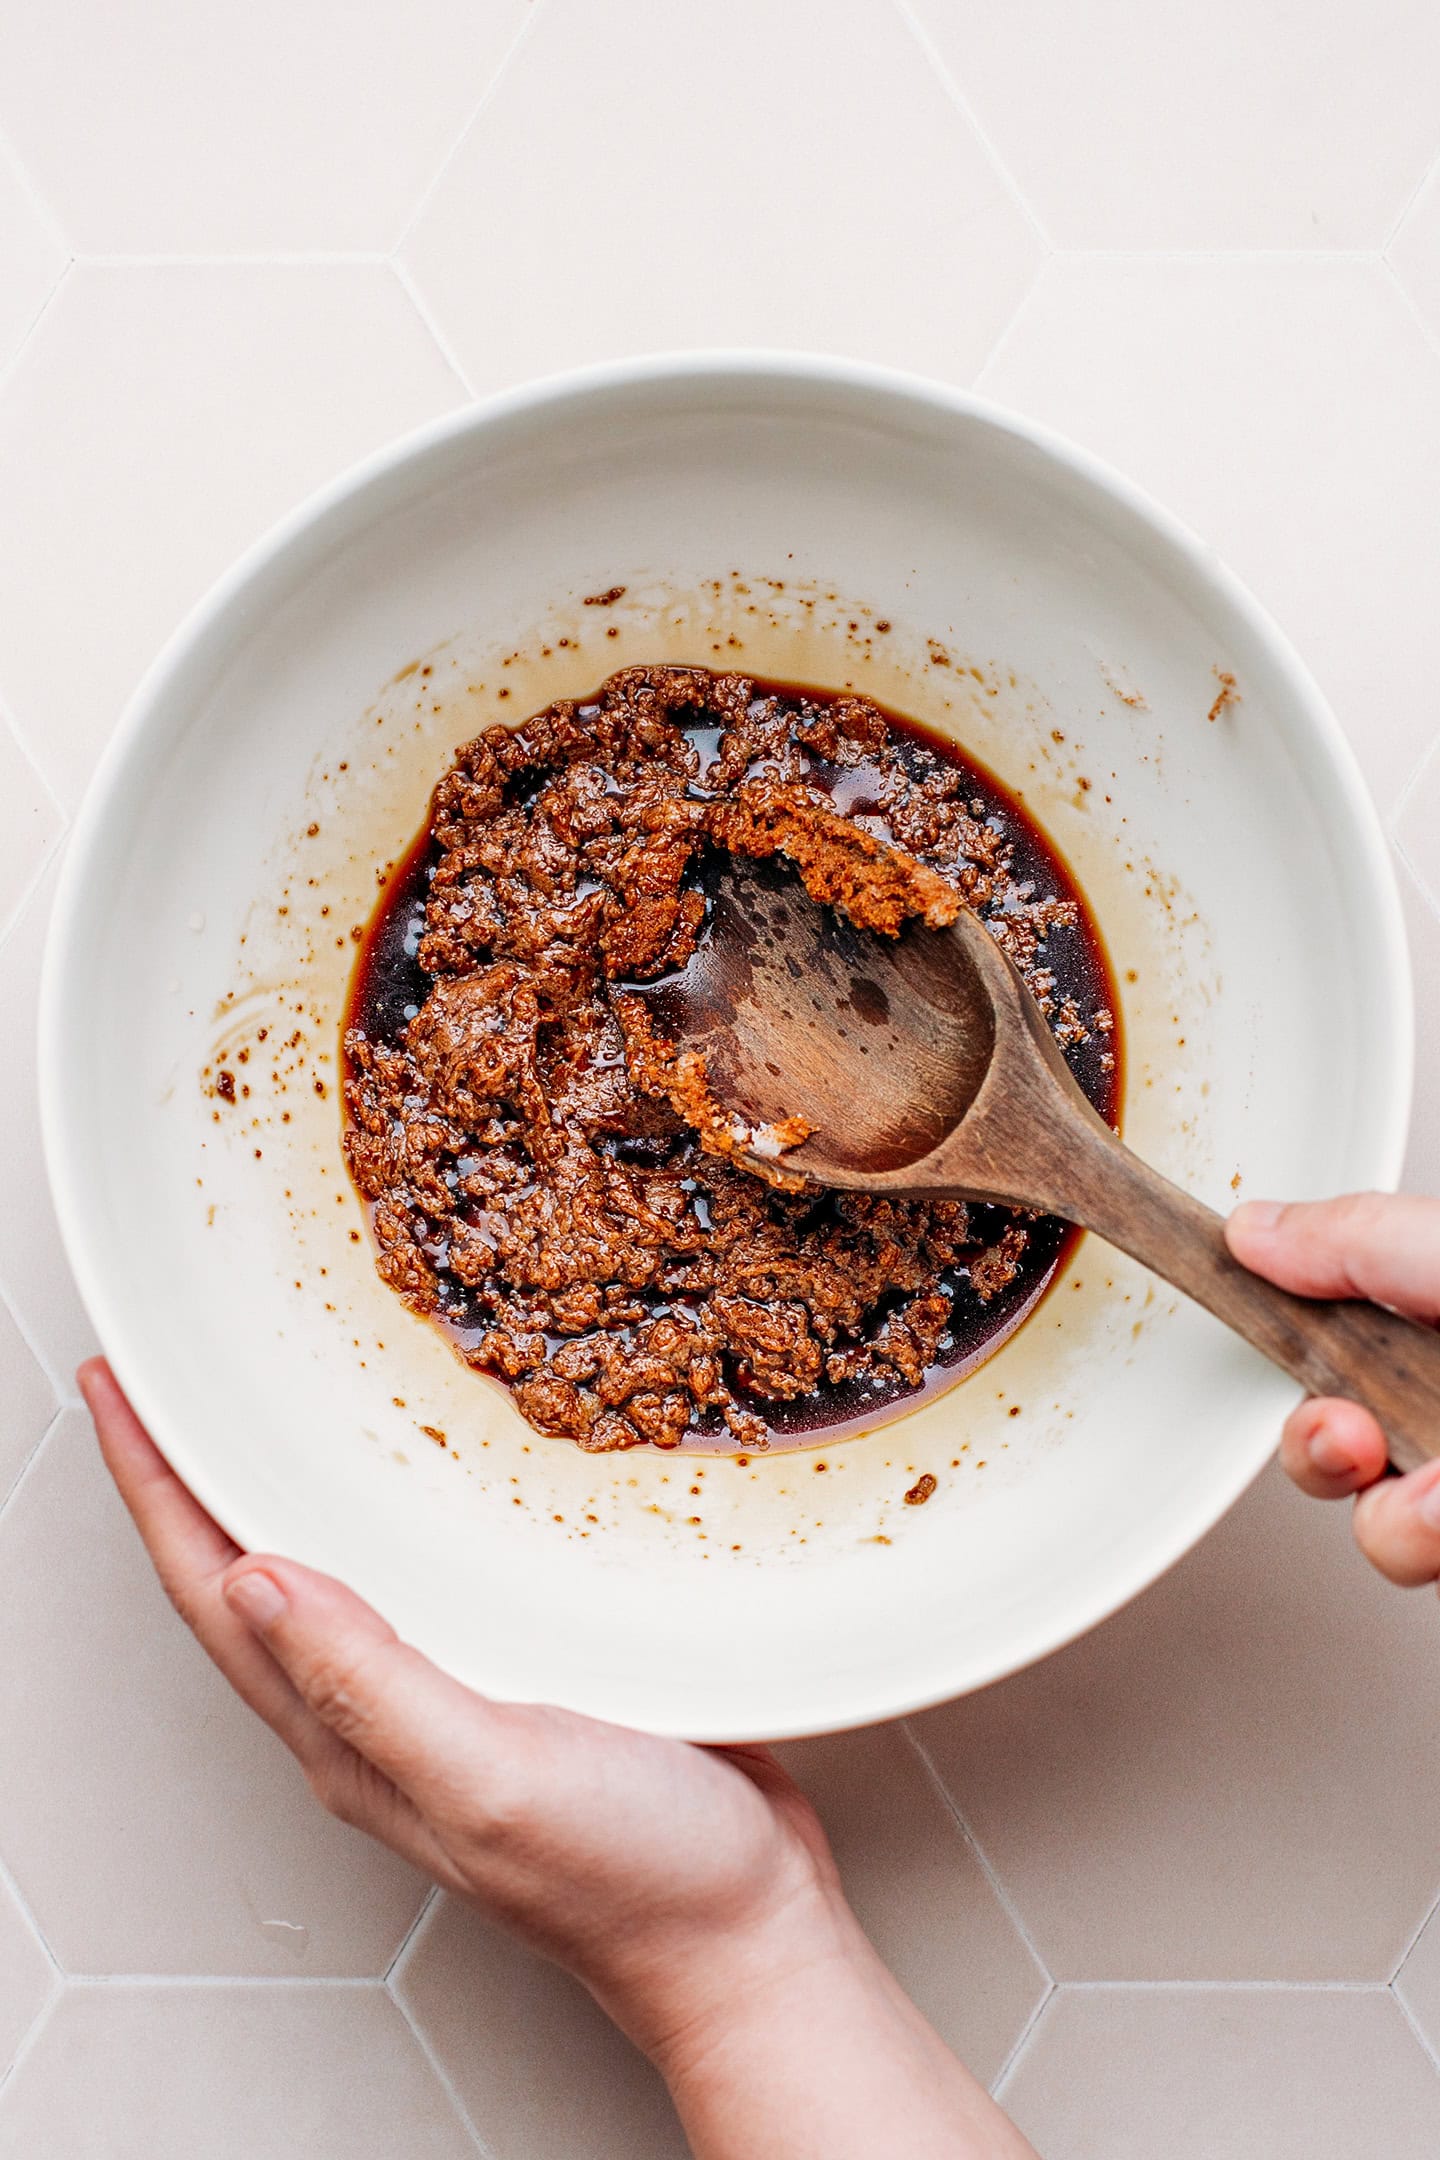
(1173, 1891)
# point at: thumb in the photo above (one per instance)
(424, 1731)
(1384, 1246)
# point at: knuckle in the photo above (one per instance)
(185, 1601)
(493, 1804)
(504, 1804)
(1356, 1217)
(333, 1687)
(1389, 1542)
(333, 1786)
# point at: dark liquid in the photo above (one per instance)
(389, 987)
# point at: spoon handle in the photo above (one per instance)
(1333, 1346)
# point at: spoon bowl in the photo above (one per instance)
(880, 1044)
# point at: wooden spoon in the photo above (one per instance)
(924, 1066)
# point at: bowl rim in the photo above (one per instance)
(1392, 1057)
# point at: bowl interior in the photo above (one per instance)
(822, 524)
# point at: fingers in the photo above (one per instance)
(1397, 1525)
(180, 1537)
(190, 1553)
(1332, 1449)
(430, 1736)
(1384, 1246)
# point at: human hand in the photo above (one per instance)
(690, 1889)
(658, 1873)
(1382, 1246)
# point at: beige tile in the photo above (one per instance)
(1416, 829)
(158, 1826)
(1415, 251)
(1225, 2074)
(1219, 385)
(1418, 1982)
(157, 421)
(541, 2070)
(1422, 920)
(31, 259)
(29, 822)
(1135, 126)
(27, 1402)
(649, 177)
(919, 1891)
(1234, 1778)
(265, 127)
(26, 1978)
(228, 2073)
(35, 1276)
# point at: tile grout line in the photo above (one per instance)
(32, 2032)
(10, 719)
(62, 1387)
(442, 2077)
(21, 1475)
(12, 364)
(1192, 1987)
(1224, 1987)
(1407, 298)
(57, 1983)
(243, 259)
(1411, 786)
(534, 10)
(403, 1948)
(1421, 883)
(1024, 2043)
(1002, 1894)
(37, 877)
(943, 73)
(17, 1895)
(1412, 870)
(394, 1976)
(1404, 1957)
(1410, 201)
(38, 202)
(34, 323)
(1007, 329)
(428, 323)
(56, 840)
(1221, 255)
(1430, 2054)
(1022, 2040)
(225, 1980)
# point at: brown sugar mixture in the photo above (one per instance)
(537, 1182)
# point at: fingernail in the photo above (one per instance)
(1259, 1214)
(257, 1597)
(1329, 1454)
(1427, 1507)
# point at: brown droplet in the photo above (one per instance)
(1228, 695)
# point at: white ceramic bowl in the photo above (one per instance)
(776, 512)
